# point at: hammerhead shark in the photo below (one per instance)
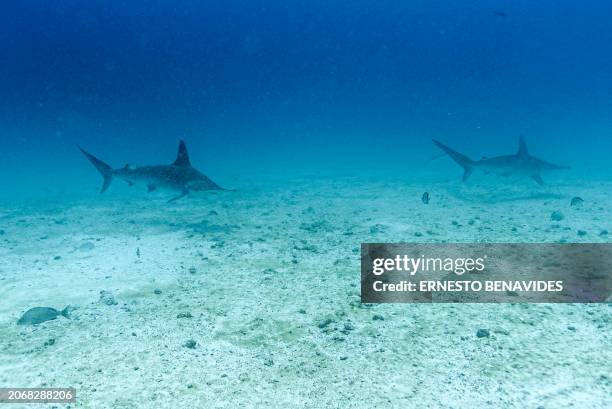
(521, 164)
(179, 176)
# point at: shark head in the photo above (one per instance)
(533, 162)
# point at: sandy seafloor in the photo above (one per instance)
(262, 272)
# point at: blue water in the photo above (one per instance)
(321, 115)
(300, 86)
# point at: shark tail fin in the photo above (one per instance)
(466, 163)
(65, 312)
(105, 170)
(537, 178)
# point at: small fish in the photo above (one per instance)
(39, 315)
(425, 198)
(576, 201)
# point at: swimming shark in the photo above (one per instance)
(179, 176)
(520, 164)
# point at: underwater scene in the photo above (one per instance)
(185, 187)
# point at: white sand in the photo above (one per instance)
(261, 275)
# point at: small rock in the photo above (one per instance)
(57, 258)
(502, 331)
(184, 315)
(302, 311)
(378, 317)
(378, 228)
(190, 343)
(212, 213)
(157, 291)
(556, 216)
(315, 227)
(603, 233)
(306, 247)
(483, 333)
(576, 201)
(348, 326)
(582, 233)
(192, 270)
(87, 246)
(325, 323)
(2, 232)
(106, 297)
(571, 328)
(49, 342)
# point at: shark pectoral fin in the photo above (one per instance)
(151, 187)
(106, 183)
(537, 178)
(184, 193)
(467, 173)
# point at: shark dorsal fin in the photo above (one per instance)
(182, 158)
(522, 151)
